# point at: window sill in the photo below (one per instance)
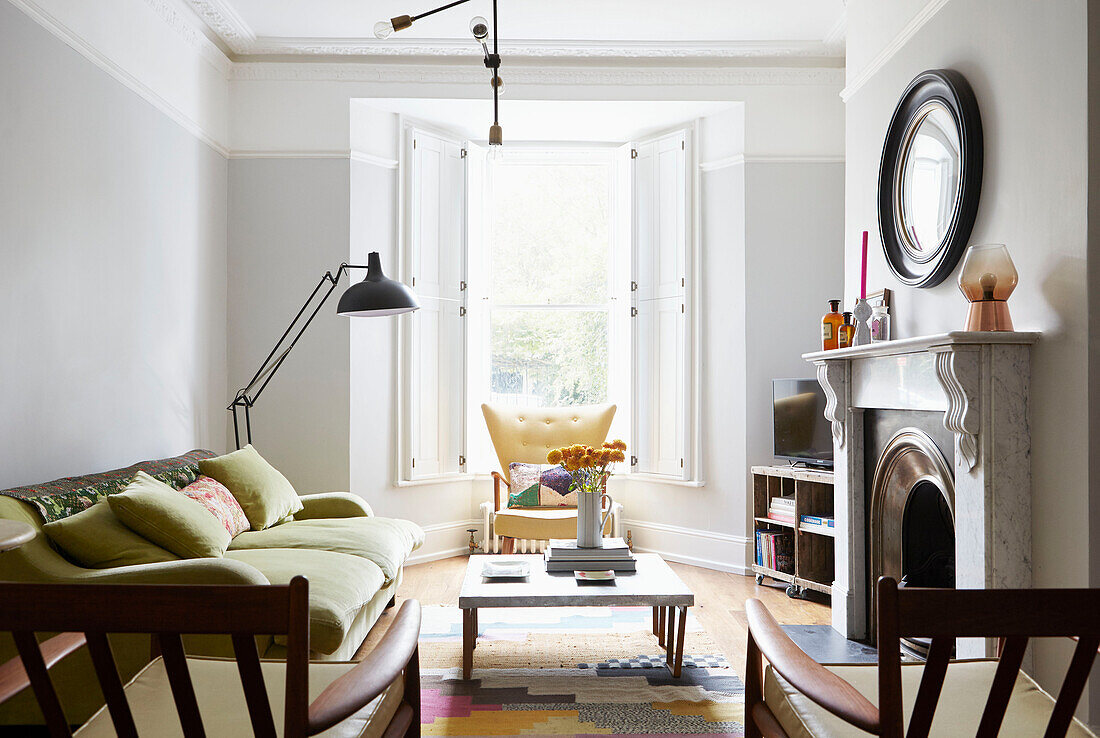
(427, 481)
(667, 481)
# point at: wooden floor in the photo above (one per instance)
(719, 601)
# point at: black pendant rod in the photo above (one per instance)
(440, 9)
(496, 69)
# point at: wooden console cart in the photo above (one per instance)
(813, 545)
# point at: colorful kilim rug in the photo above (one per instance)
(573, 672)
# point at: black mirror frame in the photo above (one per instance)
(951, 89)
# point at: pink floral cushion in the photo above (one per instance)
(213, 495)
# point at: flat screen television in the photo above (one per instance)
(800, 431)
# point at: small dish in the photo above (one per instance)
(505, 569)
(595, 576)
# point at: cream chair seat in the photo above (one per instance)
(525, 435)
(958, 712)
(222, 703)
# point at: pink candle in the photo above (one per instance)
(863, 271)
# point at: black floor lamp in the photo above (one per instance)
(376, 295)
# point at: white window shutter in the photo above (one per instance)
(434, 425)
(661, 400)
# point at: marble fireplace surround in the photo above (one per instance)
(980, 381)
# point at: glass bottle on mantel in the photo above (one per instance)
(846, 331)
(830, 326)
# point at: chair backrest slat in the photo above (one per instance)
(1012, 655)
(891, 720)
(107, 672)
(252, 680)
(1079, 667)
(296, 716)
(35, 666)
(179, 678)
(931, 684)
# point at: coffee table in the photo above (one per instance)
(653, 584)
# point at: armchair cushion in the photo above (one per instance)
(95, 538)
(539, 524)
(266, 495)
(958, 713)
(222, 704)
(170, 519)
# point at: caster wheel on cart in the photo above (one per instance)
(795, 593)
(759, 578)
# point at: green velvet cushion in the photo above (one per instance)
(96, 539)
(169, 518)
(385, 541)
(339, 587)
(266, 495)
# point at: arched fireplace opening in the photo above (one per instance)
(911, 519)
(927, 539)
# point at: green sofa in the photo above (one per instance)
(352, 558)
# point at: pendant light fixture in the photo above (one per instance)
(479, 27)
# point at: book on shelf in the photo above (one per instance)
(829, 522)
(782, 503)
(775, 550)
(812, 520)
(781, 516)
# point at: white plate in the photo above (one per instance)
(594, 576)
(500, 569)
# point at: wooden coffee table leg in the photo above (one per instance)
(670, 635)
(657, 622)
(678, 657)
(663, 612)
(469, 638)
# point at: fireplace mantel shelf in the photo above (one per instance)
(924, 343)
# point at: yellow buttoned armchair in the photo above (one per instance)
(525, 435)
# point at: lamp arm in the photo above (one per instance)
(245, 398)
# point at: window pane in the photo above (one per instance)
(548, 357)
(550, 234)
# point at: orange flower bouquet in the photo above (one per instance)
(589, 467)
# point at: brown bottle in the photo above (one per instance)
(846, 332)
(830, 326)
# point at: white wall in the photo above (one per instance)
(289, 224)
(113, 278)
(1027, 63)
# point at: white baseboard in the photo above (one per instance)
(444, 540)
(704, 548)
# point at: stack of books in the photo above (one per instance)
(775, 550)
(782, 509)
(564, 555)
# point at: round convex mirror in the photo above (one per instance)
(929, 187)
(930, 178)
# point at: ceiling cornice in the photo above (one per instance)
(223, 20)
(172, 13)
(535, 49)
(541, 75)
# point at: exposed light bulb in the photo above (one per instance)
(383, 29)
(988, 283)
(479, 27)
(495, 153)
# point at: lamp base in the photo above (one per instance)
(988, 315)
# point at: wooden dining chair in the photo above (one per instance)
(797, 696)
(210, 696)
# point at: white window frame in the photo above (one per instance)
(481, 308)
